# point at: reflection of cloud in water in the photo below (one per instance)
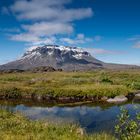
(61, 113)
(37, 112)
(92, 118)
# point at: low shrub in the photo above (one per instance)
(11, 92)
(135, 85)
(106, 80)
(127, 129)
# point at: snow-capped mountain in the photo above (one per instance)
(59, 57)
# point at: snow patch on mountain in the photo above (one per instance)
(77, 56)
(37, 51)
(32, 48)
(61, 48)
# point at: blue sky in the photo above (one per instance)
(109, 29)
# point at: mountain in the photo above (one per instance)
(58, 57)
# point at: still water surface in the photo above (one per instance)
(94, 118)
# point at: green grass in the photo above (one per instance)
(16, 127)
(99, 83)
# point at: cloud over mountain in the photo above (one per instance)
(54, 10)
(46, 19)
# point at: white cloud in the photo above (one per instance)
(41, 32)
(49, 28)
(80, 36)
(32, 39)
(80, 39)
(49, 40)
(67, 40)
(70, 41)
(25, 37)
(48, 18)
(94, 51)
(53, 10)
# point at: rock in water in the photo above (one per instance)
(137, 96)
(118, 99)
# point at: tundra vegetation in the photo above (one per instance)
(97, 84)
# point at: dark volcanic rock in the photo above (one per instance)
(11, 71)
(43, 69)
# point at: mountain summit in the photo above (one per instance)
(59, 57)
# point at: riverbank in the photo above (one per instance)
(70, 87)
(15, 127)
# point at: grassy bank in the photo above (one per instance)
(16, 127)
(69, 84)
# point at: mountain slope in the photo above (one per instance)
(59, 57)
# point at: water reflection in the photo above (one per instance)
(93, 119)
